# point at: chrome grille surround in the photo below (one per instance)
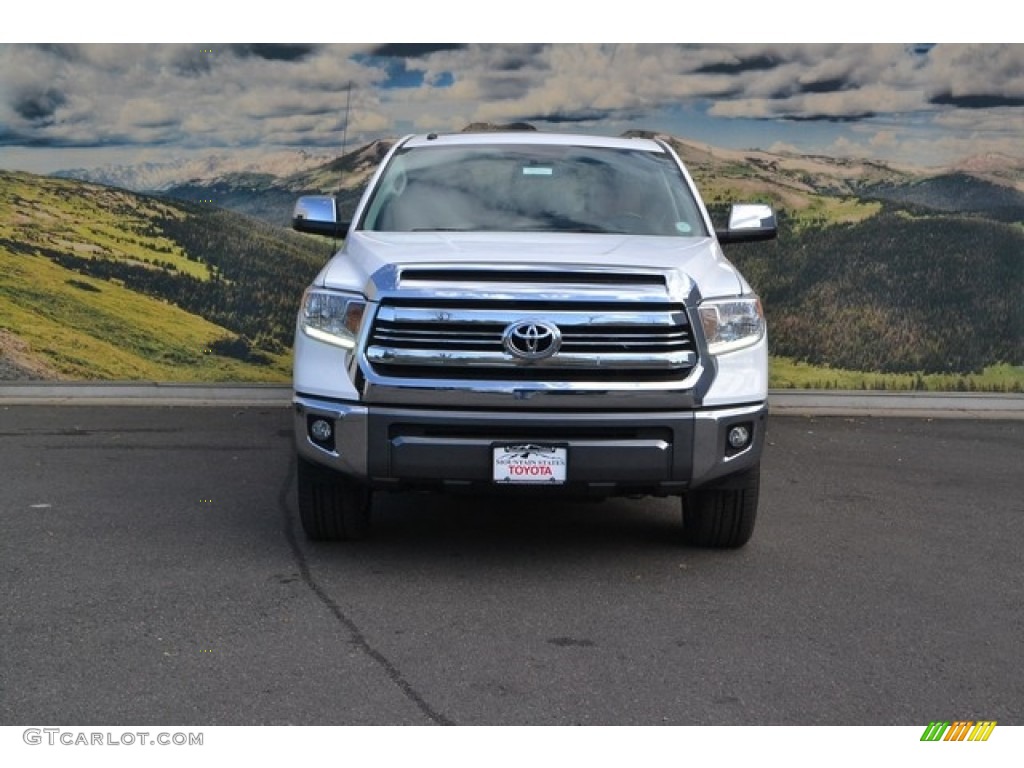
(626, 338)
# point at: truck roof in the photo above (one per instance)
(527, 138)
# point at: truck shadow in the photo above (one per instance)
(439, 522)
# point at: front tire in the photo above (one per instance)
(722, 516)
(331, 506)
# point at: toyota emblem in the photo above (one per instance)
(532, 339)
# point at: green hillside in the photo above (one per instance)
(895, 293)
(101, 283)
(878, 278)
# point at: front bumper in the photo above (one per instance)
(657, 452)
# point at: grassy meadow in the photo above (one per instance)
(60, 323)
(78, 327)
(786, 373)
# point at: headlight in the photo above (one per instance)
(731, 324)
(331, 317)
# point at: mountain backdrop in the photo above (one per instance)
(912, 277)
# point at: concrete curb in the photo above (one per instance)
(930, 405)
(144, 394)
(782, 402)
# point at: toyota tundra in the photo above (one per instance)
(531, 313)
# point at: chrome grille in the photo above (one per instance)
(648, 341)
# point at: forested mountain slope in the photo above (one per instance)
(98, 282)
(894, 293)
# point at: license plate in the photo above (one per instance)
(530, 464)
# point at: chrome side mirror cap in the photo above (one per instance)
(318, 215)
(749, 222)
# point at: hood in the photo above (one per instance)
(365, 253)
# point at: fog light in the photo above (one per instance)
(739, 436)
(320, 430)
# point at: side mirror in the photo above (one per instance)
(318, 215)
(749, 222)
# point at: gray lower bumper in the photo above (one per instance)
(608, 453)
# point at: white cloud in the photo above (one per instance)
(195, 96)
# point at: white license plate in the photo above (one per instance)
(530, 464)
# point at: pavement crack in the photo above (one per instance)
(358, 638)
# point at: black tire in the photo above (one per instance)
(331, 506)
(722, 516)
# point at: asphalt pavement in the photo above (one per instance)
(154, 572)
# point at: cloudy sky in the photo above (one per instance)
(90, 104)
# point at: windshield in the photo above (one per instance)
(504, 188)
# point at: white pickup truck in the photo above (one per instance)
(537, 314)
